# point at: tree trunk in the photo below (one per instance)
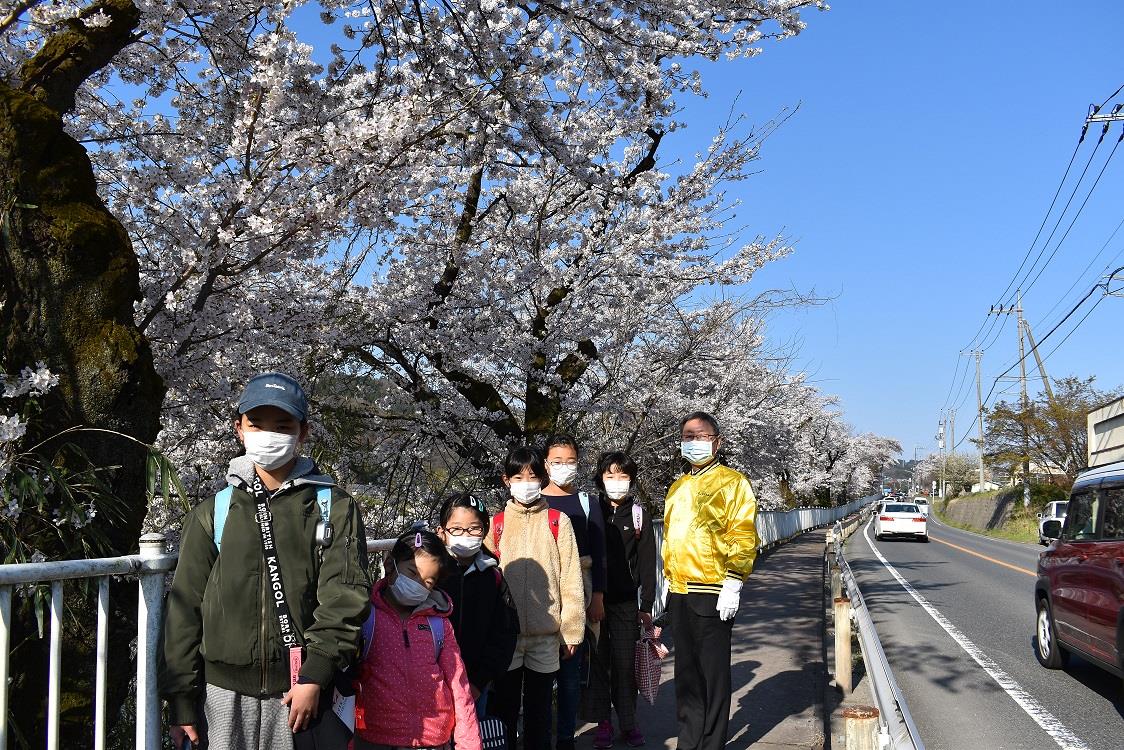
(68, 282)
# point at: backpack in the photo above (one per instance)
(552, 516)
(436, 631)
(222, 509)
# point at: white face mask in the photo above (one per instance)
(698, 452)
(270, 450)
(407, 591)
(617, 489)
(526, 493)
(463, 545)
(563, 475)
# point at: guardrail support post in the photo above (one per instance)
(149, 604)
(836, 581)
(861, 727)
(843, 644)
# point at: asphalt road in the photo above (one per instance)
(961, 646)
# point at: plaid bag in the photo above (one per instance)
(493, 734)
(649, 662)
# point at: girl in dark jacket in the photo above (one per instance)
(630, 590)
(484, 617)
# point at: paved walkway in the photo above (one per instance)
(778, 670)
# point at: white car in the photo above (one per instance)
(922, 504)
(1050, 522)
(901, 519)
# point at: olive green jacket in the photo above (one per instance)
(220, 624)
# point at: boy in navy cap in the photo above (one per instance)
(271, 588)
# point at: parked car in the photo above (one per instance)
(1050, 521)
(922, 504)
(901, 519)
(1079, 593)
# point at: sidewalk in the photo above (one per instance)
(778, 670)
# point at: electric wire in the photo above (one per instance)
(1081, 275)
(1068, 315)
(1076, 216)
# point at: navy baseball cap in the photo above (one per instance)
(274, 389)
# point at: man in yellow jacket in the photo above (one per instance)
(710, 542)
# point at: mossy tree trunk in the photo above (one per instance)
(68, 282)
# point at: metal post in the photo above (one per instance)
(979, 415)
(102, 659)
(54, 671)
(843, 644)
(5, 645)
(861, 727)
(148, 636)
(1023, 401)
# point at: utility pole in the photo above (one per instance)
(1018, 310)
(979, 409)
(1025, 404)
(952, 430)
(1038, 359)
(940, 447)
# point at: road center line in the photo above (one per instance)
(1043, 718)
(1015, 568)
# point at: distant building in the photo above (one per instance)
(988, 485)
(1106, 433)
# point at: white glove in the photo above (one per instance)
(729, 598)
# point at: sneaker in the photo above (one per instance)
(603, 739)
(633, 737)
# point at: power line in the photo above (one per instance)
(1084, 271)
(1053, 202)
(1068, 315)
(1078, 214)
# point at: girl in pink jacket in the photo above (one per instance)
(413, 690)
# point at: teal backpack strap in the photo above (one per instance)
(583, 498)
(324, 500)
(437, 630)
(222, 508)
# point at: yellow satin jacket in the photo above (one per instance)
(710, 530)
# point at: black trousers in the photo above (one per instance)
(535, 691)
(702, 670)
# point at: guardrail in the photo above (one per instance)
(773, 528)
(149, 568)
(896, 728)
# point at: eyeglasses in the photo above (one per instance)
(557, 464)
(473, 530)
(688, 437)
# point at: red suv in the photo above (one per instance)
(1079, 593)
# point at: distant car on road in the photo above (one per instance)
(922, 504)
(901, 519)
(1050, 521)
(1079, 594)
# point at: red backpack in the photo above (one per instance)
(552, 517)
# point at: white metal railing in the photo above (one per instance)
(896, 722)
(149, 567)
(773, 527)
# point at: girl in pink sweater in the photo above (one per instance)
(413, 690)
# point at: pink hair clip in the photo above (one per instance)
(417, 540)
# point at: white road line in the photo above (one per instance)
(1043, 718)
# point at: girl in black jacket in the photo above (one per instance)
(630, 591)
(484, 617)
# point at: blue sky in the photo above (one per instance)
(929, 142)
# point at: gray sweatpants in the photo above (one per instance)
(243, 722)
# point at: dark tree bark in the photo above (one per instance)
(68, 281)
